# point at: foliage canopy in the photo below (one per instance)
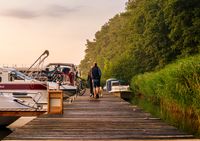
(146, 37)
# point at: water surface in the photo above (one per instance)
(4, 132)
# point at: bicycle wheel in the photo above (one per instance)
(82, 92)
(81, 87)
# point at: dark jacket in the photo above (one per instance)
(96, 72)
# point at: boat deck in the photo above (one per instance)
(106, 118)
(11, 107)
(20, 112)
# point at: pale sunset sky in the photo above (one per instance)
(29, 27)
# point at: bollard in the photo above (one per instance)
(55, 102)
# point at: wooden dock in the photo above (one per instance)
(107, 118)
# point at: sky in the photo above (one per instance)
(29, 27)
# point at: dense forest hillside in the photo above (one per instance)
(146, 37)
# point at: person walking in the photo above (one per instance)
(89, 79)
(96, 77)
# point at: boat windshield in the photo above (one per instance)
(22, 76)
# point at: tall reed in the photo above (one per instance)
(176, 89)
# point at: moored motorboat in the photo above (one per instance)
(16, 84)
(9, 104)
(118, 88)
(63, 74)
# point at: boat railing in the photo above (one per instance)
(29, 101)
(38, 65)
(36, 100)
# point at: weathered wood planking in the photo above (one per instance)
(107, 118)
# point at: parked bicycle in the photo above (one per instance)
(81, 86)
(55, 75)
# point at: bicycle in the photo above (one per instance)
(55, 76)
(81, 86)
